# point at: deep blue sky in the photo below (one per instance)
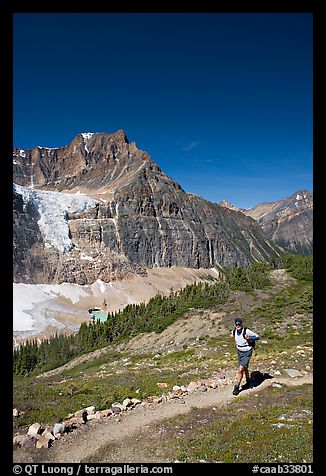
(222, 102)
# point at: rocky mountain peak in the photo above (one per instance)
(100, 208)
(89, 137)
(227, 204)
(91, 161)
(288, 222)
(302, 194)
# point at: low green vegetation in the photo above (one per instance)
(100, 382)
(267, 428)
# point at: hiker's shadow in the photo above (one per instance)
(256, 379)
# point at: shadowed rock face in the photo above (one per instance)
(288, 222)
(138, 217)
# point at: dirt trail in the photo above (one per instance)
(85, 442)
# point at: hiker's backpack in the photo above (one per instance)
(251, 342)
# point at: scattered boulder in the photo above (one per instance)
(58, 430)
(154, 399)
(118, 405)
(98, 415)
(90, 417)
(135, 401)
(202, 388)
(192, 386)
(293, 373)
(211, 383)
(127, 402)
(73, 423)
(48, 434)
(83, 414)
(28, 441)
(34, 429)
(15, 413)
(17, 440)
(282, 425)
(43, 442)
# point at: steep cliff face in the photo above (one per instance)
(100, 208)
(289, 222)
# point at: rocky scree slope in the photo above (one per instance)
(118, 214)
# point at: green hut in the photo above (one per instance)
(97, 314)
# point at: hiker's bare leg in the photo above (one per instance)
(240, 374)
(246, 374)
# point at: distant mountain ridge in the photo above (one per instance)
(288, 221)
(100, 208)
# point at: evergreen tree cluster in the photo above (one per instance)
(248, 279)
(300, 266)
(155, 316)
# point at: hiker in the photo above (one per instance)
(244, 339)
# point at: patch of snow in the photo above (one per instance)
(22, 153)
(47, 148)
(87, 135)
(85, 257)
(73, 292)
(300, 197)
(215, 271)
(35, 305)
(53, 208)
(100, 286)
(24, 298)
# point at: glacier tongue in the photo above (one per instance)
(53, 208)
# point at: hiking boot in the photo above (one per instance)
(236, 390)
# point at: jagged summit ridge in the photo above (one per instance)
(90, 161)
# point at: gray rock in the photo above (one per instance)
(28, 441)
(58, 429)
(282, 425)
(293, 373)
(18, 439)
